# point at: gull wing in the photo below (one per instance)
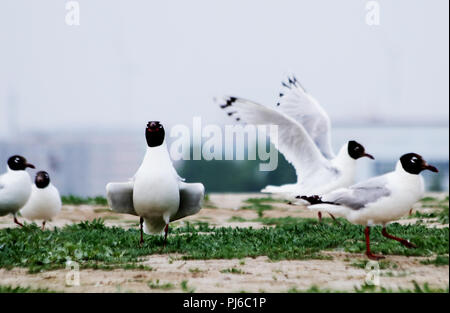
(191, 199)
(302, 107)
(293, 140)
(358, 196)
(120, 197)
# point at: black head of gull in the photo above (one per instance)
(413, 163)
(42, 179)
(356, 150)
(154, 134)
(18, 163)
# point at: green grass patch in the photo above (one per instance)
(383, 264)
(232, 270)
(425, 288)
(93, 243)
(75, 200)
(439, 260)
(9, 289)
(260, 204)
(195, 270)
(237, 219)
(159, 285)
(186, 288)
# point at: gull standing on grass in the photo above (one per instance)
(15, 186)
(303, 139)
(44, 202)
(379, 200)
(156, 193)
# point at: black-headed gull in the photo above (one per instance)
(44, 202)
(303, 139)
(379, 200)
(156, 193)
(15, 186)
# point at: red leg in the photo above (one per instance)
(17, 222)
(369, 254)
(320, 216)
(404, 242)
(334, 219)
(166, 231)
(410, 212)
(141, 223)
(43, 225)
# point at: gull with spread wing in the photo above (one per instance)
(303, 139)
(156, 193)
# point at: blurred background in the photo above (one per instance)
(75, 99)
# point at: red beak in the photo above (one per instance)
(430, 168)
(369, 156)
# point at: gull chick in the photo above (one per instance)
(44, 202)
(379, 200)
(156, 193)
(15, 186)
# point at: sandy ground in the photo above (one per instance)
(254, 275)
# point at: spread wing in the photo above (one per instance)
(293, 140)
(191, 200)
(360, 195)
(120, 197)
(302, 107)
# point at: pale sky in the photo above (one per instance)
(133, 61)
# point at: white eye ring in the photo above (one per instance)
(413, 160)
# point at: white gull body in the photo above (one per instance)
(43, 204)
(379, 200)
(156, 194)
(15, 189)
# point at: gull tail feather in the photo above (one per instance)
(154, 225)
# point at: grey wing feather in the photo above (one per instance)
(191, 200)
(360, 195)
(120, 197)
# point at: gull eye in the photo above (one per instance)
(413, 160)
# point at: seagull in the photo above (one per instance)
(378, 200)
(44, 202)
(303, 139)
(156, 193)
(15, 186)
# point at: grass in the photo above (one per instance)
(93, 243)
(74, 200)
(383, 264)
(232, 270)
(158, 285)
(195, 270)
(259, 204)
(9, 289)
(185, 287)
(425, 288)
(441, 215)
(439, 260)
